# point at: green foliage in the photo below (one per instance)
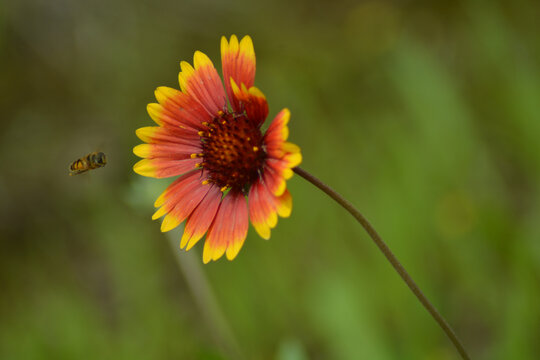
(424, 115)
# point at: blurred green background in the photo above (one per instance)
(424, 114)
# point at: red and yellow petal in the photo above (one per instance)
(240, 227)
(288, 160)
(177, 109)
(179, 200)
(166, 159)
(220, 230)
(283, 167)
(275, 181)
(278, 132)
(167, 135)
(283, 156)
(200, 220)
(181, 111)
(238, 64)
(262, 212)
(184, 207)
(251, 100)
(279, 150)
(283, 204)
(177, 188)
(229, 228)
(203, 83)
(164, 168)
(166, 151)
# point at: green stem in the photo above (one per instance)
(390, 256)
(205, 299)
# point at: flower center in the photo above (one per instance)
(233, 150)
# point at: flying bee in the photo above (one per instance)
(91, 161)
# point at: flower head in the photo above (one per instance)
(210, 136)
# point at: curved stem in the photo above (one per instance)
(390, 256)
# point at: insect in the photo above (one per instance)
(91, 161)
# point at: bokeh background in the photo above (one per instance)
(424, 114)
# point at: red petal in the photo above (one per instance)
(274, 181)
(262, 212)
(168, 135)
(200, 219)
(203, 83)
(278, 131)
(240, 226)
(167, 168)
(179, 188)
(190, 198)
(252, 101)
(228, 229)
(176, 109)
(238, 63)
(164, 151)
(220, 231)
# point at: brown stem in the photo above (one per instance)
(390, 256)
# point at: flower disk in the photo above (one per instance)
(233, 151)
(210, 136)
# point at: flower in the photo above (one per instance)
(230, 170)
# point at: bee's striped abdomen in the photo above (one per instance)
(91, 161)
(78, 166)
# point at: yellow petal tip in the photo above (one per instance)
(280, 188)
(146, 133)
(256, 92)
(155, 110)
(200, 60)
(142, 150)
(159, 213)
(294, 159)
(234, 249)
(263, 230)
(194, 239)
(163, 93)
(246, 46)
(184, 240)
(290, 147)
(234, 87)
(145, 168)
(208, 252)
(218, 253)
(169, 222)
